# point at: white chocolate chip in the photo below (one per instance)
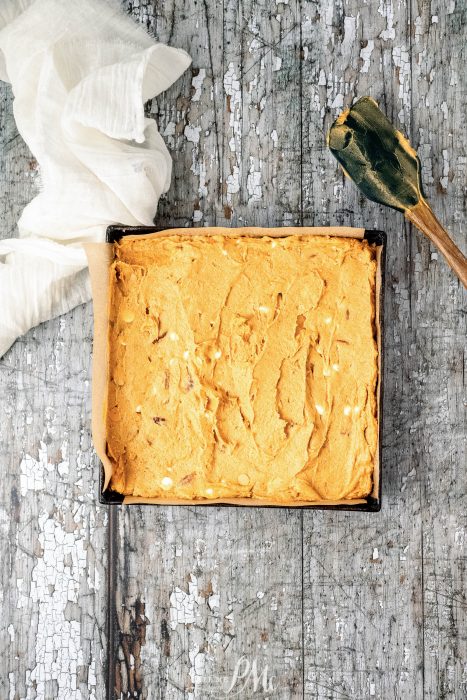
(243, 479)
(319, 409)
(138, 409)
(328, 320)
(173, 335)
(217, 354)
(347, 410)
(224, 252)
(356, 409)
(127, 316)
(166, 483)
(335, 367)
(172, 361)
(273, 244)
(186, 355)
(326, 373)
(209, 492)
(263, 309)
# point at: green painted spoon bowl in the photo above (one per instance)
(385, 167)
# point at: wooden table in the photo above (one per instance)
(252, 603)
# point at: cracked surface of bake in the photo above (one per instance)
(242, 367)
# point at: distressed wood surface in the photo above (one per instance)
(52, 533)
(302, 604)
(363, 609)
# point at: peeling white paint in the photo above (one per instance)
(181, 608)
(232, 88)
(182, 605)
(338, 102)
(254, 45)
(253, 24)
(55, 582)
(214, 601)
(444, 180)
(277, 63)
(365, 55)
(169, 133)
(401, 59)
(424, 152)
(386, 9)
(350, 30)
(253, 184)
(197, 669)
(32, 471)
(50, 594)
(274, 137)
(192, 133)
(12, 683)
(233, 182)
(233, 91)
(197, 83)
(418, 23)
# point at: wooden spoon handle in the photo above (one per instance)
(424, 219)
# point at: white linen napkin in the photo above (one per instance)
(80, 71)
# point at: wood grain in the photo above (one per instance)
(438, 376)
(363, 591)
(316, 604)
(52, 534)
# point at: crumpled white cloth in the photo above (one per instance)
(80, 71)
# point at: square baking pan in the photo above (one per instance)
(373, 503)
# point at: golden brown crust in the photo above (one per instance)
(243, 367)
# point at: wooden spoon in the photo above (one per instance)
(382, 163)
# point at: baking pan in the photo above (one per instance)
(373, 504)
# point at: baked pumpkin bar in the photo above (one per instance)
(242, 367)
